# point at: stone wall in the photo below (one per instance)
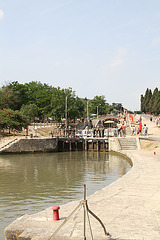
(114, 144)
(32, 145)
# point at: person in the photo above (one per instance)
(157, 122)
(131, 130)
(140, 128)
(145, 130)
(123, 130)
(119, 130)
(26, 130)
(140, 119)
(134, 130)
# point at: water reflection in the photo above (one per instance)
(31, 183)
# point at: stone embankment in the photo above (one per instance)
(34, 145)
(129, 207)
(30, 145)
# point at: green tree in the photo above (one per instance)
(75, 106)
(8, 98)
(156, 105)
(2, 98)
(100, 103)
(30, 111)
(58, 103)
(19, 92)
(41, 95)
(118, 107)
(142, 104)
(150, 102)
(146, 101)
(109, 108)
(153, 100)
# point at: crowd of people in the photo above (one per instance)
(136, 129)
(140, 129)
(156, 119)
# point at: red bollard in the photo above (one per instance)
(55, 213)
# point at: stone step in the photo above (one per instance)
(7, 144)
(128, 143)
(129, 148)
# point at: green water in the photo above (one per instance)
(31, 183)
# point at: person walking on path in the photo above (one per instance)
(145, 130)
(140, 128)
(133, 130)
(123, 130)
(157, 120)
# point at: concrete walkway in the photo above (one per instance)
(129, 207)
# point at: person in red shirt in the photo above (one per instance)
(140, 128)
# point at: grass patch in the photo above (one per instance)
(149, 145)
(156, 147)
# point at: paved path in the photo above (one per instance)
(153, 130)
(129, 207)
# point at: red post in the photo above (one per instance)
(55, 213)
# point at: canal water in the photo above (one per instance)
(30, 183)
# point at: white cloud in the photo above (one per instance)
(122, 51)
(113, 64)
(61, 63)
(116, 63)
(119, 59)
(156, 41)
(1, 14)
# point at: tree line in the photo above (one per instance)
(150, 102)
(36, 99)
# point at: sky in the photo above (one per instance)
(96, 47)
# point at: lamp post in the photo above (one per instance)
(87, 108)
(97, 110)
(66, 115)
